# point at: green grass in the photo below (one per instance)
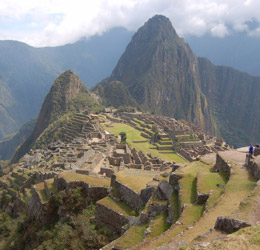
(51, 185)
(41, 191)
(119, 207)
(208, 181)
(135, 135)
(93, 181)
(43, 195)
(158, 225)
(175, 206)
(135, 179)
(191, 213)
(188, 189)
(132, 237)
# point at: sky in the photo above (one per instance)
(58, 22)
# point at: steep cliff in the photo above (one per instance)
(161, 73)
(234, 98)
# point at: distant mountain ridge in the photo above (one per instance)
(165, 77)
(26, 73)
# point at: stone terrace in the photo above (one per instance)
(185, 138)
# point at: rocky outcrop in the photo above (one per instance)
(229, 225)
(174, 180)
(164, 190)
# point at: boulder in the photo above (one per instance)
(147, 193)
(229, 225)
(164, 190)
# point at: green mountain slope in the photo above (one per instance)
(26, 72)
(67, 94)
(115, 94)
(234, 98)
(9, 145)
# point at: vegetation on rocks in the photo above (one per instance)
(66, 94)
(75, 231)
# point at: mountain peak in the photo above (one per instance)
(67, 94)
(159, 20)
(158, 25)
(161, 73)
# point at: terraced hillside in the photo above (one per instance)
(67, 128)
(78, 126)
(142, 198)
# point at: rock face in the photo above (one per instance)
(64, 95)
(159, 70)
(164, 76)
(229, 225)
(161, 73)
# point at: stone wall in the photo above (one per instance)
(115, 161)
(41, 176)
(164, 148)
(257, 151)
(174, 182)
(91, 193)
(97, 159)
(87, 156)
(107, 171)
(35, 204)
(253, 166)
(112, 219)
(135, 166)
(223, 166)
(82, 171)
(128, 195)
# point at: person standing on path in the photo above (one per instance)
(251, 149)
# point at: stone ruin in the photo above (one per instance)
(186, 139)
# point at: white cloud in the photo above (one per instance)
(219, 30)
(55, 22)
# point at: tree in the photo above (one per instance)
(123, 137)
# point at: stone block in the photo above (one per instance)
(229, 225)
(164, 190)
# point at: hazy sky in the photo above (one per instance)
(57, 22)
